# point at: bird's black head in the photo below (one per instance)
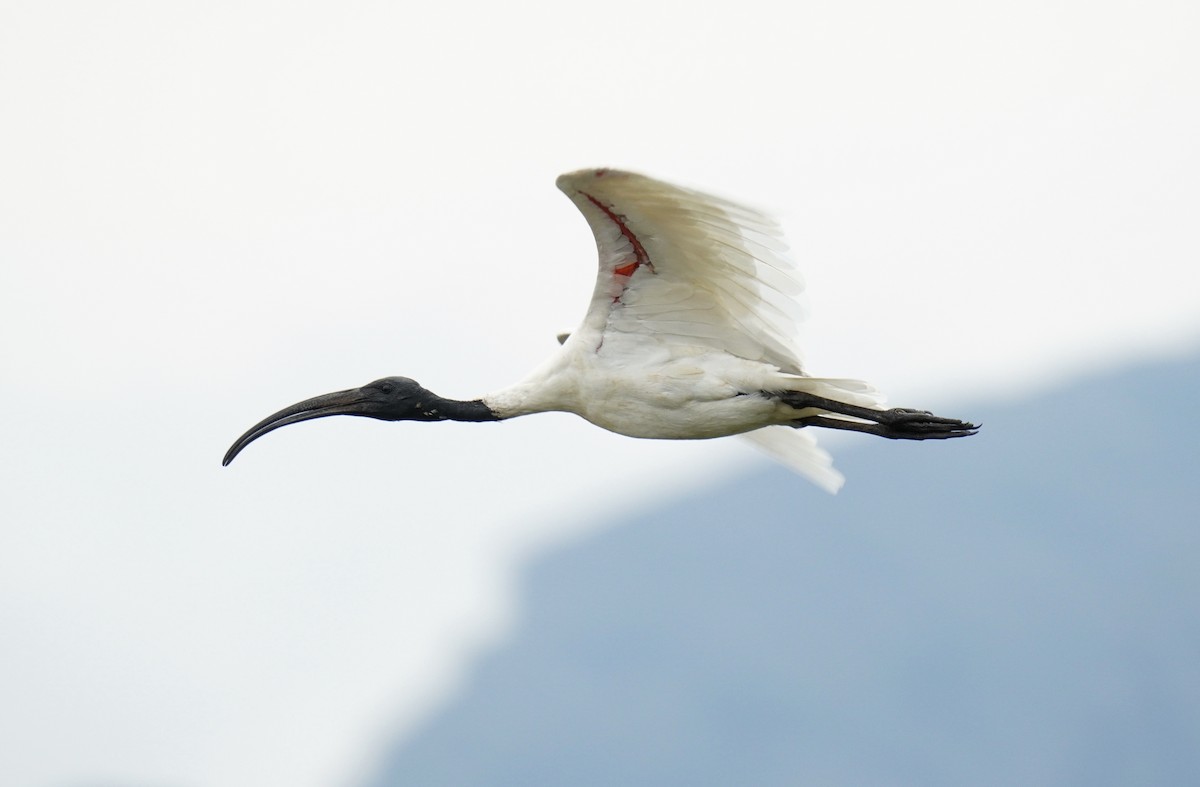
(389, 399)
(396, 399)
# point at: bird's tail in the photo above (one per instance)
(840, 389)
(797, 448)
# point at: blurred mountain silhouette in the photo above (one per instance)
(1022, 607)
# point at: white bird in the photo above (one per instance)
(689, 335)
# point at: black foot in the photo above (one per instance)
(903, 424)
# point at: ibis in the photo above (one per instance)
(690, 334)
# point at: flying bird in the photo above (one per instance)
(690, 334)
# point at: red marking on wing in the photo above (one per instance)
(639, 251)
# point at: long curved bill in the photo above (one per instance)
(348, 402)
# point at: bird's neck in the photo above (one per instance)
(455, 410)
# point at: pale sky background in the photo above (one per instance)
(211, 210)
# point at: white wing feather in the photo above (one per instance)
(797, 449)
(712, 274)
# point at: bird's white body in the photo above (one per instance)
(686, 397)
(692, 323)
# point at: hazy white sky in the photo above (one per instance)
(208, 211)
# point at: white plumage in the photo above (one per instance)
(710, 312)
(690, 334)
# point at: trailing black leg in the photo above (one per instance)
(937, 429)
(896, 424)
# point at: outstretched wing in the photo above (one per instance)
(797, 449)
(683, 268)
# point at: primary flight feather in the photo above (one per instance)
(690, 334)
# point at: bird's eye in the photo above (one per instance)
(387, 388)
